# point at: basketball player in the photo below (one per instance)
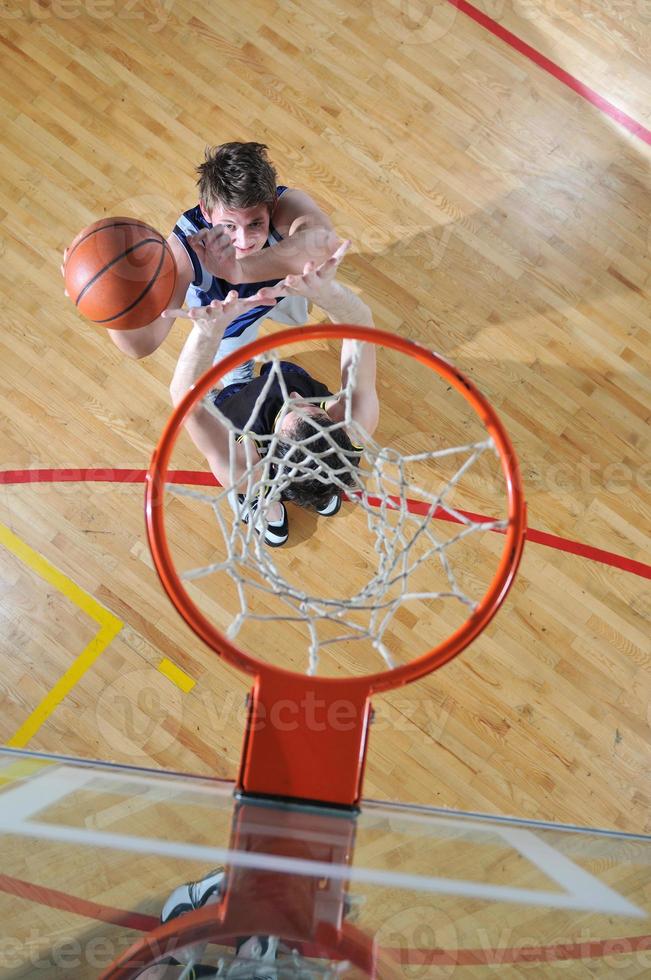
(246, 232)
(236, 401)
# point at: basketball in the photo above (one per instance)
(120, 272)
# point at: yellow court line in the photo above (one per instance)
(176, 675)
(21, 769)
(65, 684)
(50, 574)
(109, 624)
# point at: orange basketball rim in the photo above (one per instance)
(286, 754)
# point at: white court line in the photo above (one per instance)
(56, 781)
(583, 891)
(167, 785)
(30, 796)
(322, 869)
(575, 880)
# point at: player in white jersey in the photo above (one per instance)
(246, 233)
(240, 402)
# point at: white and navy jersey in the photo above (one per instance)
(205, 287)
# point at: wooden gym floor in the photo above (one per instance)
(497, 216)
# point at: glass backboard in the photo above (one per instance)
(92, 854)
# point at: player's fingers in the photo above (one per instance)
(266, 296)
(172, 314)
(201, 313)
(256, 300)
(220, 236)
(231, 297)
(341, 251)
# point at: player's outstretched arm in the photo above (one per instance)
(198, 353)
(307, 233)
(320, 285)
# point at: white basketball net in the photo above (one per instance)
(283, 966)
(405, 537)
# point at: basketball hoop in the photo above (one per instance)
(346, 946)
(327, 766)
(265, 896)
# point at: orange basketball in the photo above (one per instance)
(120, 272)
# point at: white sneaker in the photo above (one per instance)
(332, 507)
(193, 895)
(275, 532)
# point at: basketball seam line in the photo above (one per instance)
(132, 248)
(115, 224)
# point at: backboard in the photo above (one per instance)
(91, 852)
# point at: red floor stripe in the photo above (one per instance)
(539, 59)
(588, 949)
(194, 478)
(78, 906)
(54, 899)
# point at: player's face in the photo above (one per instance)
(248, 227)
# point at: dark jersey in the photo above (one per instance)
(239, 407)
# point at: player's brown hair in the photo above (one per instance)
(237, 175)
(321, 467)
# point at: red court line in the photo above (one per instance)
(107, 474)
(55, 899)
(589, 949)
(544, 538)
(196, 478)
(539, 59)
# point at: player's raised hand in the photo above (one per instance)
(316, 280)
(220, 313)
(62, 268)
(216, 253)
